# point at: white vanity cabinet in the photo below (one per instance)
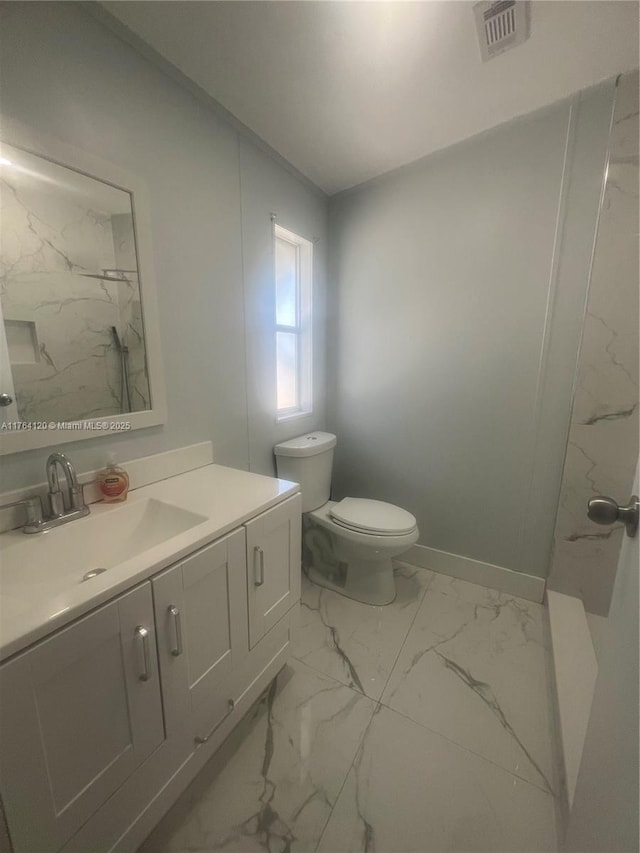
(104, 722)
(215, 606)
(200, 608)
(273, 561)
(79, 712)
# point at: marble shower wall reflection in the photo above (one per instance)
(603, 441)
(64, 357)
(131, 328)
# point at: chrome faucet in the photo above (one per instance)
(62, 510)
(75, 502)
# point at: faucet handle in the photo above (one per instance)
(33, 509)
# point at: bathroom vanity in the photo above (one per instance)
(116, 686)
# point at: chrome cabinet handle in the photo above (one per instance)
(231, 704)
(175, 613)
(143, 634)
(604, 510)
(258, 576)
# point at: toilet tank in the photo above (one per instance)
(308, 460)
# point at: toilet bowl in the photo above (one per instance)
(354, 559)
(348, 545)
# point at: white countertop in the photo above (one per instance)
(36, 599)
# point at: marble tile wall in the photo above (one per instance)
(602, 450)
(49, 241)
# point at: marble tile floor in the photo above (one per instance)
(422, 726)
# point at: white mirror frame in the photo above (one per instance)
(19, 135)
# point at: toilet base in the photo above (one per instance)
(368, 581)
(356, 565)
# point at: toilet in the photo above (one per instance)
(347, 545)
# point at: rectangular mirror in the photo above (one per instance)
(79, 348)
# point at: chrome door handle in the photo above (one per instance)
(175, 613)
(143, 634)
(604, 510)
(258, 575)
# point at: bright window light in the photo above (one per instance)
(293, 276)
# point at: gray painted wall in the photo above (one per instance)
(266, 191)
(457, 296)
(69, 76)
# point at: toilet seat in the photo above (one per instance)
(368, 516)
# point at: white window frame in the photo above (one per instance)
(303, 325)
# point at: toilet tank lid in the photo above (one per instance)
(306, 445)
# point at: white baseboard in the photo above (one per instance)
(475, 571)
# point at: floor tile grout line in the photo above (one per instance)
(420, 601)
(422, 725)
(391, 671)
(404, 642)
(550, 792)
(333, 678)
(377, 703)
(346, 776)
(467, 749)
(326, 675)
(376, 706)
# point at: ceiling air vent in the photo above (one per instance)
(501, 25)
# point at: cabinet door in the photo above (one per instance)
(78, 713)
(274, 565)
(201, 617)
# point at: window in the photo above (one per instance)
(293, 275)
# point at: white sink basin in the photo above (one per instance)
(47, 566)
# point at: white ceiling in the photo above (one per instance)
(348, 90)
